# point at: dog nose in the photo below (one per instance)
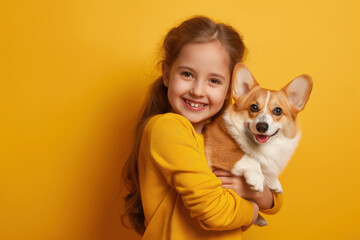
(262, 127)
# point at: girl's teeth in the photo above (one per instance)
(194, 104)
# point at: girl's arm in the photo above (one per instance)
(179, 157)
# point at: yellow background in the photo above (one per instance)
(73, 75)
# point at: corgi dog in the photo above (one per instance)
(256, 135)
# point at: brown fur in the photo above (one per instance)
(220, 138)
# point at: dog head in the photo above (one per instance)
(267, 113)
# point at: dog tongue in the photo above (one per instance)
(262, 138)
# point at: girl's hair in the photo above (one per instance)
(194, 30)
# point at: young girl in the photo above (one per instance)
(173, 193)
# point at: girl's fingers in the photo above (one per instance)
(222, 173)
(227, 186)
(226, 180)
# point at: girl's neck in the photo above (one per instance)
(198, 127)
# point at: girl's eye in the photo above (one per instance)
(254, 108)
(186, 74)
(215, 81)
(277, 111)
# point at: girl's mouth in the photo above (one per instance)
(194, 105)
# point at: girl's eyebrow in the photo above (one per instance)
(188, 68)
(193, 70)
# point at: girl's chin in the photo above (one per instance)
(195, 118)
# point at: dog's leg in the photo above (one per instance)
(251, 170)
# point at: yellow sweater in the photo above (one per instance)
(182, 198)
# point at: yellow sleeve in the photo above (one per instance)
(278, 201)
(179, 158)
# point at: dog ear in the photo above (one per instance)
(242, 81)
(298, 91)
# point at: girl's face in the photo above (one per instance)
(198, 81)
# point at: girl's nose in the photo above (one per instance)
(198, 89)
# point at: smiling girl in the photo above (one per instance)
(173, 194)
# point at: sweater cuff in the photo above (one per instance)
(278, 201)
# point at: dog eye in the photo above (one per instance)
(254, 108)
(277, 111)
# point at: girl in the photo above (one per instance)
(173, 193)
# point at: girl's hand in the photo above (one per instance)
(237, 184)
(264, 200)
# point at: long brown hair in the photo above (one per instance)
(196, 29)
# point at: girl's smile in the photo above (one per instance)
(198, 81)
(194, 105)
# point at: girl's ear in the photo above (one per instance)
(242, 81)
(165, 73)
(298, 91)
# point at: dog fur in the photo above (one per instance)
(256, 135)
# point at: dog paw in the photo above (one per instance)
(277, 190)
(260, 221)
(255, 181)
(275, 186)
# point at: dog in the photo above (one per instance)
(256, 135)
